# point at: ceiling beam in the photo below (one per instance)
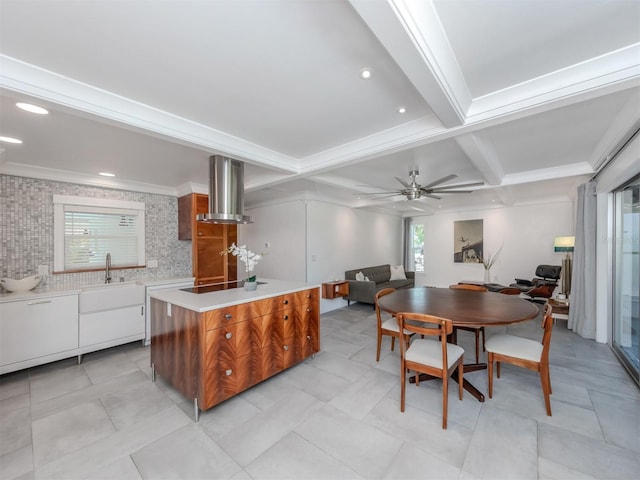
(481, 153)
(412, 34)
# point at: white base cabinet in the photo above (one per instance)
(37, 331)
(121, 325)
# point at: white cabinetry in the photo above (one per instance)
(110, 316)
(37, 331)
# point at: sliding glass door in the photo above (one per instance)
(626, 288)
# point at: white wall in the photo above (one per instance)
(341, 238)
(527, 233)
(316, 241)
(283, 228)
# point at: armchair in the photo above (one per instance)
(543, 284)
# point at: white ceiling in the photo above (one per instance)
(529, 96)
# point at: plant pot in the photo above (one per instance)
(250, 286)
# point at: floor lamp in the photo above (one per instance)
(565, 244)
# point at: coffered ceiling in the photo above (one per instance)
(529, 97)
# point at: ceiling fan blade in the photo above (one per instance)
(404, 184)
(440, 192)
(373, 186)
(379, 193)
(442, 180)
(462, 185)
(430, 195)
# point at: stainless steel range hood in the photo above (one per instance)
(226, 192)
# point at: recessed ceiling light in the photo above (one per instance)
(10, 140)
(366, 73)
(106, 174)
(32, 108)
(402, 109)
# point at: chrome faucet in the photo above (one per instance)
(107, 273)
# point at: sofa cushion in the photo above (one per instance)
(378, 274)
(407, 282)
(397, 273)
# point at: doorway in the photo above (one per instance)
(626, 280)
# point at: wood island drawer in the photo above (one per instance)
(221, 317)
(305, 296)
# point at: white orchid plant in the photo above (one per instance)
(249, 258)
(489, 261)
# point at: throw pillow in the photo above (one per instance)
(397, 273)
(360, 276)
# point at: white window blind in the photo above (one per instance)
(88, 229)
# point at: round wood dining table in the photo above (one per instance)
(464, 308)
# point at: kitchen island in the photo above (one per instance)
(213, 342)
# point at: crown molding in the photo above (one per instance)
(41, 173)
(31, 80)
(572, 170)
(610, 72)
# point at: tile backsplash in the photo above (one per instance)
(26, 232)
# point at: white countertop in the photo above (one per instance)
(76, 289)
(204, 302)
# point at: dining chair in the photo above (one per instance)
(389, 327)
(476, 330)
(509, 291)
(436, 358)
(524, 352)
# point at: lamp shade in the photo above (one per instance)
(564, 244)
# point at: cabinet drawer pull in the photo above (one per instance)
(228, 335)
(285, 317)
(308, 309)
(285, 347)
(308, 295)
(286, 302)
(228, 372)
(228, 315)
(308, 337)
(39, 302)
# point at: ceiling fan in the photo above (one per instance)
(414, 191)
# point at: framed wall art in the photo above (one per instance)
(467, 241)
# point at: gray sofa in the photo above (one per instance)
(365, 292)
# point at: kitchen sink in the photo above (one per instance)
(110, 296)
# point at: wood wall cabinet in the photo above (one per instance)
(208, 240)
(335, 289)
(214, 355)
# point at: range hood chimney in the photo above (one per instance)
(226, 192)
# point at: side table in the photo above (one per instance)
(335, 289)
(559, 309)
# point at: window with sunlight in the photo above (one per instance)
(417, 247)
(86, 229)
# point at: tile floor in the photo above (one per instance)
(334, 416)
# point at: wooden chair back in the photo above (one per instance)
(467, 286)
(381, 293)
(547, 325)
(426, 325)
(510, 291)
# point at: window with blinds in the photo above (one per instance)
(86, 229)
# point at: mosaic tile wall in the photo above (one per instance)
(26, 232)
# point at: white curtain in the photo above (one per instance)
(407, 254)
(582, 312)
